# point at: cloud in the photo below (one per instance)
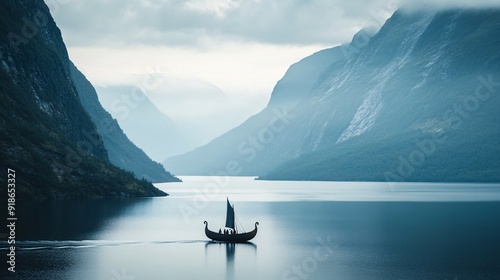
(113, 38)
(193, 22)
(217, 7)
(233, 67)
(447, 4)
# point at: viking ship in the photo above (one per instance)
(230, 233)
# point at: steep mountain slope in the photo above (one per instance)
(45, 134)
(419, 103)
(301, 76)
(137, 115)
(121, 151)
(254, 146)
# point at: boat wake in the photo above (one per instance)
(75, 244)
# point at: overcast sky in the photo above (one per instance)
(242, 47)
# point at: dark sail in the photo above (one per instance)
(229, 216)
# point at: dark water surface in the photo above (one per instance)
(307, 231)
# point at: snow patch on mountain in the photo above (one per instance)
(323, 128)
(439, 54)
(416, 30)
(365, 116)
(367, 112)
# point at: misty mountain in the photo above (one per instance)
(201, 110)
(419, 102)
(243, 143)
(121, 151)
(150, 129)
(46, 135)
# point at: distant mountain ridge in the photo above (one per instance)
(418, 102)
(142, 121)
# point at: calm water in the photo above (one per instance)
(308, 230)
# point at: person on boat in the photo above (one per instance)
(220, 231)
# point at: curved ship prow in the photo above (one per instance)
(230, 234)
(233, 238)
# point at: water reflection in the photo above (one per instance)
(72, 219)
(151, 239)
(230, 254)
(49, 232)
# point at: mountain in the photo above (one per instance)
(418, 102)
(252, 145)
(144, 124)
(121, 151)
(46, 135)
